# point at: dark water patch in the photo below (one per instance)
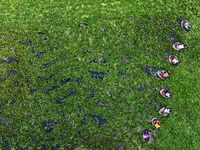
(79, 110)
(173, 25)
(166, 22)
(7, 145)
(84, 121)
(44, 147)
(130, 17)
(79, 133)
(172, 38)
(107, 128)
(167, 53)
(46, 65)
(45, 39)
(32, 90)
(122, 74)
(64, 68)
(11, 73)
(152, 20)
(78, 80)
(161, 40)
(59, 100)
(46, 78)
(48, 90)
(63, 56)
(100, 103)
(56, 147)
(64, 81)
(24, 148)
(98, 119)
(33, 50)
(141, 88)
(91, 95)
(98, 61)
(13, 101)
(87, 52)
(104, 29)
(179, 20)
(83, 25)
(120, 146)
(154, 103)
(49, 125)
(29, 115)
(98, 75)
(71, 92)
(10, 60)
(50, 139)
(149, 70)
(30, 43)
(27, 81)
(120, 92)
(151, 88)
(53, 49)
(94, 61)
(23, 43)
(13, 50)
(39, 54)
(40, 33)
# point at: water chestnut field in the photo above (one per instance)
(80, 75)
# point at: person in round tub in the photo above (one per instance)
(173, 60)
(164, 111)
(165, 93)
(147, 137)
(162, 74)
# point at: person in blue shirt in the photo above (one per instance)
(185, 25)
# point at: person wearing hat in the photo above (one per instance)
(147, 137)
(165, 93)
(164, 111)
(173, 60)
